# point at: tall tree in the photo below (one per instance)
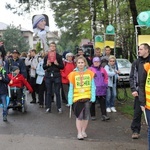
(14, 39)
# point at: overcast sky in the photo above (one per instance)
(6, 16)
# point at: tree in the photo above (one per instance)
(14, 39)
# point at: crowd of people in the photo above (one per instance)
(76, 80)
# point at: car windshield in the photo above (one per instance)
(123, 63)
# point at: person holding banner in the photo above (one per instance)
(4, 80)
(81, 93)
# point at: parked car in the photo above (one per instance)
(124, 66)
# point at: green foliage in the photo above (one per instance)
(13, 39)
(38, 47)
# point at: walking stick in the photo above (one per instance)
(145, 117)
(70, 111)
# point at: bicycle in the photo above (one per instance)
(122, 93)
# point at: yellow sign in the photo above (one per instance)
(143, 39)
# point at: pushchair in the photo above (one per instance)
(14, 102)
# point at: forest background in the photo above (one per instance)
(84, 19)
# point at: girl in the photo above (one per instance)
(112, 79)
(101, 82)
(81, 92)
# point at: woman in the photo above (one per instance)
(81, 93)
(101, 82)
(112, 79)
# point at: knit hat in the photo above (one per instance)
(96, 59)
(69, 54)
(37, 19)
(14, 68)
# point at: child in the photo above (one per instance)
(81, 93)
(101, 82)
(112, 79)
(17, 82)
(4, 80)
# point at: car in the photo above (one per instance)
(124, 66)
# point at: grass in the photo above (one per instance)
(126, 102)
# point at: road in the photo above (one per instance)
(36, 130)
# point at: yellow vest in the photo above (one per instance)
(81, 91)
(147, 85)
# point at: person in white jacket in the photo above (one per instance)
(112, 72)
(40, 81)
(32, 62)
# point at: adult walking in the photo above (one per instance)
(137, 82)
(52, 65)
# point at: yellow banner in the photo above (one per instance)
(110, 43)
(143, 39)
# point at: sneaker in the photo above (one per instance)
(60, 111)
(135, 135)
(113, 109)
(104, 118)
(80, 137)
(48, 110)
(84, 135)
(41, 106)
(5, 118)
(93, 118)
(18, 104)
(108, 110)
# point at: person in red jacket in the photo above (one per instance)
(17, 82)
(69, 66)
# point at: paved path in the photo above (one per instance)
(36, 130)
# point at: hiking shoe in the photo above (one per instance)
(4, 118)
(104, 118)
(80, 137)
(48, 110)
(135, 135)
(108, 110)
(33, 102)
(113, 109)
(84, 135)
(60, 111)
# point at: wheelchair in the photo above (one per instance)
(13, 104)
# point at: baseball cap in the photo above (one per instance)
(15, 51)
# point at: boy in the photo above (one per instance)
(17, 82)
(4, 80)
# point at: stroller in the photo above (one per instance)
(22, 107)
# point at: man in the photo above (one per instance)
(105, 57)
(32, 62)
(137, 82)
(15, 61)
(52, 65)
(97, 52)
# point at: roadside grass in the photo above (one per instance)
(125, 102)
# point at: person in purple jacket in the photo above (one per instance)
(101, 82)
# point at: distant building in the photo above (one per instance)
(28, 35)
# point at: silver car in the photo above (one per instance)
(124, 66)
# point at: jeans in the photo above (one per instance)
(111, 96)
(136, 122)
(3, 98)
(148, 120)
(50, 84)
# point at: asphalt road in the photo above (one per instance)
(36, 130)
